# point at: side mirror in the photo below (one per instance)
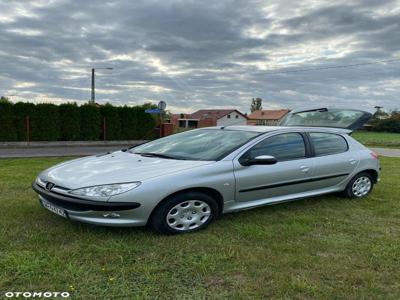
(259, 160)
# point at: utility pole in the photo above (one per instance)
(93, 97)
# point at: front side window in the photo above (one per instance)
(285, 146)
(201, 144)
(328, 143)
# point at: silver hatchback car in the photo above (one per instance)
(181, 183)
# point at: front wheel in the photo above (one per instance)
(184, 212)
(359, 186)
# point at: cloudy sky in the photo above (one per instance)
(202, 54)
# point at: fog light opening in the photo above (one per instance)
(111, 215)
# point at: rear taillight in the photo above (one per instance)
(374, 155)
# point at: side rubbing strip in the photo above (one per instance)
(271, 186)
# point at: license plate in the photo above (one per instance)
(54, 209)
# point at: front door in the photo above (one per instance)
(287, 176)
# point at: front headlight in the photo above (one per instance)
(105, 190)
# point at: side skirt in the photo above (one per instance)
(233, 206)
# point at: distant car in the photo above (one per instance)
(183, 182)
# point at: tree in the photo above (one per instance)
(256, 104)
(4, 100)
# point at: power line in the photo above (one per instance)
(335, 67)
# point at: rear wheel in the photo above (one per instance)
(184, 212)
(359, 186)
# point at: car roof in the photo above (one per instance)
(265, 129)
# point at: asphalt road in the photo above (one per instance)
(90, 150)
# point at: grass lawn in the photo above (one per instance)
(319, 248)
(378, 139)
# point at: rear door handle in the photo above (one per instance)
(305, 169)
(352, 161)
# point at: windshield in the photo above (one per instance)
(201, 144)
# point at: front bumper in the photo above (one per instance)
(95, 212)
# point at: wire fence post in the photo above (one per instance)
(27, 124)
(104, 129)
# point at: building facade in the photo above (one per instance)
(209, 117)
(266, 117)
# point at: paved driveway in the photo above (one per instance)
(387, 152)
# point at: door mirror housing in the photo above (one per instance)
(259, 160)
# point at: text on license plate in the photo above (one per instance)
(54, 209)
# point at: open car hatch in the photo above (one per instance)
(351, 119)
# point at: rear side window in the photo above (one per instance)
(328, 143)
(284, 146)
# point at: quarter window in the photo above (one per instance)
(285, 146)
(328, 143)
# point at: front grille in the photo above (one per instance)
(87, 207)
(78, 204)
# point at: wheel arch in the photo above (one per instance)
(216, 195)
(372, 172)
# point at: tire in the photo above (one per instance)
(182, 213)
(359, 186)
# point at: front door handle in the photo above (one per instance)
(305, 169)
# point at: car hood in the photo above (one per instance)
(113, 168)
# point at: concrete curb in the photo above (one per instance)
(12, 145)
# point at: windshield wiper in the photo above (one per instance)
(153, 154)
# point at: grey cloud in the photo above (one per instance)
(198, 54)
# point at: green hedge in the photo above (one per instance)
(69, 122)
(45, 123)
(22, 110)
(7, 131)
(111, 122)
(90, 126)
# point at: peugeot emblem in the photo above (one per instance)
(49, 186)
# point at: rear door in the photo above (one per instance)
(332, 161)
(351, 119)
(287, 176)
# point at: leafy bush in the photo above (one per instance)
(388, 125)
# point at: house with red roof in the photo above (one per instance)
(209, 117)
(266, 117)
